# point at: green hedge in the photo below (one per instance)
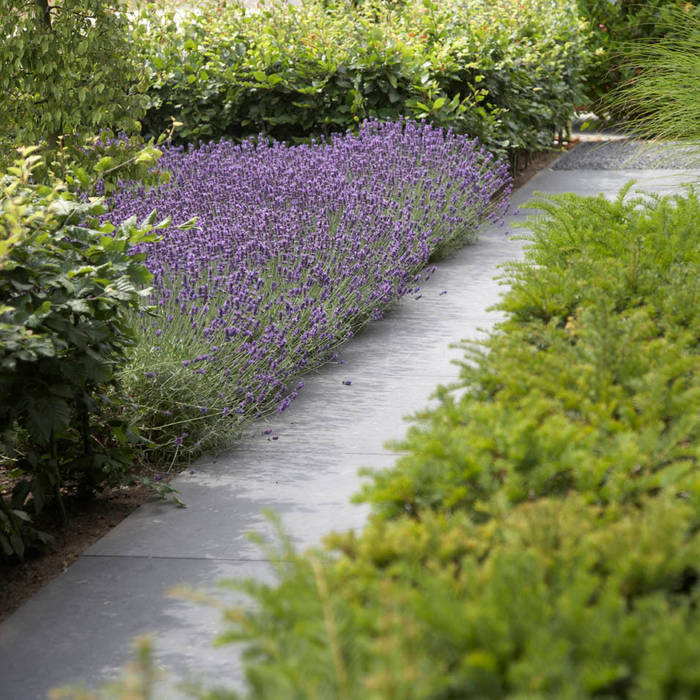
(506, 71)
(540, 536)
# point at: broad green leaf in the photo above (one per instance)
(103, 164)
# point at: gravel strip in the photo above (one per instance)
(629, 155)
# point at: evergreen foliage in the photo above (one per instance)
(539, 538)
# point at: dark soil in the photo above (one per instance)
(89, 521)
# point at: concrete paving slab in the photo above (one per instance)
(609, 182)
(81, 624)
(310, 494)
(434, 359)
(78, 627)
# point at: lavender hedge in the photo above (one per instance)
(295, 248)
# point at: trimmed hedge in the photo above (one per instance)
(540, 536)
(506, 71)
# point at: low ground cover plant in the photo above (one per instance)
(296, 247)
(507, 72)
(539, 537)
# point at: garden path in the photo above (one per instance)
(80, 625)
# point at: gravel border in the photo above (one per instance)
(629, 155)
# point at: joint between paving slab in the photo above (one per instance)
(140, 557)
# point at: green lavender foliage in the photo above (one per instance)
(539, 536)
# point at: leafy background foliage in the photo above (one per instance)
(66, 67)
(68, 289)
(507, 72)
(663, 99)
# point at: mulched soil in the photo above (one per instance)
(92, 520)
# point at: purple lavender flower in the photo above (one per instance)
(297, 246)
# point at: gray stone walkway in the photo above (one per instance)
(81, 624)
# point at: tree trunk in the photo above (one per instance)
(45, 10)
(43, 5)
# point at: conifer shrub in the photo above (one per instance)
(539, 536)
(589, 385)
